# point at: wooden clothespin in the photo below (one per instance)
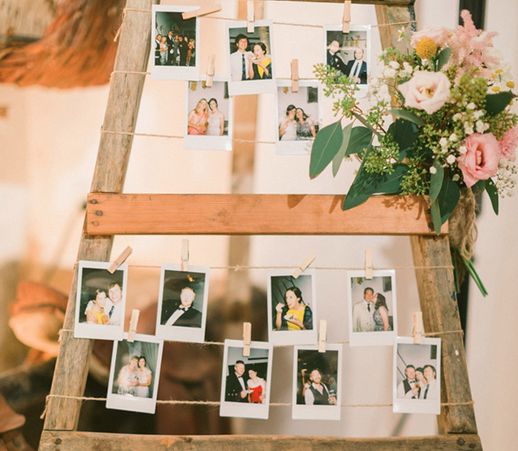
(300, 269)
(417, 327)
(346, 20)
(119, 260)
(322, 335)
(368, 263)
(135, 313)
(202, 11)
(250, 16)
(185, 254)
(294, 75)
(210, 71)
(247, 339)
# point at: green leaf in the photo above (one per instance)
(407, 115)
(435, 212)
(404, 133)
(474, 275)
(496, 103)
(493, 194)
(361, 137)
(436, 181)
(339, 157)
(325, 146)
(443, 57)
(448, 198)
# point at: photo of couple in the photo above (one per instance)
(250, 57)
(298, 112)
(208, 109)
(245, 381)
(175, 39)
(347, 53)
(417, 387)
(134, 378)
(106, 306)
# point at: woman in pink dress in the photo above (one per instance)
(198, 118)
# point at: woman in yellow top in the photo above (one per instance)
(293, 313)
(261, 67)
(95, 309)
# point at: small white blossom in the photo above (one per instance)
(443, 142)
(401, 32)
(468, 128)
(433, 170)
(471, 106)
(392, 161)
(453, 138)
(456, 177)
(478, 114)
(505, 182)
(388, 72)
(462, 150)
(394, 65)
(451, 159)
(457, 117)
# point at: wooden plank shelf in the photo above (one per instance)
(253, 214)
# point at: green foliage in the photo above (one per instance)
(325, 146)
(381, 159)
(339, 157)
(436, 181)
(501, 122)
(407, 115)
(361, 137)
(496, 103)
(404, 133)
(493, 194)
(442, 58)
(448, 197)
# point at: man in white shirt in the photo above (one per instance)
(363, 312)
(240, 60)
(357, 68)
(114, 304)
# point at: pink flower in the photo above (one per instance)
(508, 143)
(480, 161)
(438, 35)
(426, 91)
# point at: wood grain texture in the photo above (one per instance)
(257, 214)
(441, 313)
(110, 171)
(82, 441)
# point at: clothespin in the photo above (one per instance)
(135, 313)
(417, 327)
(210, 72)
(346, 20)
(322, 335)
(368, 263)
(300, 269)
(185, 254)
(249, 16)
(294, 75)
(119, 260)
(247, 339)
(202, 11)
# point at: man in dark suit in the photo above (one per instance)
(184, 314)
(333, 59)
(407, 388)
(235, 387)
(170, 48)
(357, 68)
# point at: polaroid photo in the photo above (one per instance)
(349, 53)
(245, 381)
(250, 58)
(417, 376)
(182, 303)
(317, 383)
(372, 305)
(298, 117)
(209, 118)
(134, 374)
(292, 308)
(100, 301)
(174, 43)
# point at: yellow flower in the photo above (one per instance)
(510, 84)
(495, 88)
(425, 48)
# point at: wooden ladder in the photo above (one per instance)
(110, 213)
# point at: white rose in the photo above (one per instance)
(433, 170)
(426, 91)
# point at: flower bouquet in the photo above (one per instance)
(440, 124)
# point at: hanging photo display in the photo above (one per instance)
(298, 117)
(100, 301)
(349, 53)
(182, 303)
(372, 308)
(417, 376)
(134, 374)
(209, 116)
(317, 383)
(246, 381)
(250, 58)
(292, 308)
(174, 43)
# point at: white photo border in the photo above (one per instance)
(241, 409)
(432, 406)
(293, 337)
(237, 88)
(303, 412)
(302, 147)
(381, 338)
(181, 333)
(99, 331)
(134, 403)
(173, 72)
(196, 142)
